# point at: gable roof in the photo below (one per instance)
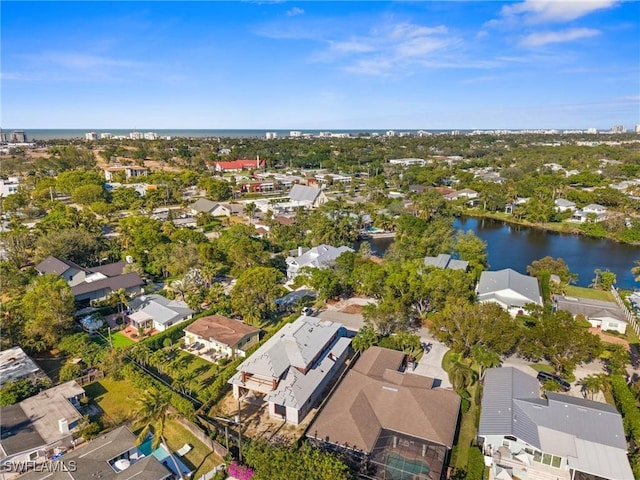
(375, 395)
(589, 308)
(221, 329)
(445, 261)
(128, 280)
(56, 265)
(302, 193)
(589, 434)
(94, 460)
(204, 205)
(110, 269)
(16, 364)
(239, 164)
(497, 285)
(319, 257)
(161, 309)
(296, 344)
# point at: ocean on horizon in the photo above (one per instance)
(70, 134)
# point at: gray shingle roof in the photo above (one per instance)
(445, 261)
(502, 284)
(161, 309)
(128, 280)
(203, 205)
(302, 193)
(56, 265)
(319, 257)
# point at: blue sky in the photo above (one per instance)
(320, 65)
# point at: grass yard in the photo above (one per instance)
(542, 367)
(114, 398)
(573, 291)
(118, 339)
(117, 401)
(467, 433)
(200, 458)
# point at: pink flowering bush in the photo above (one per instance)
(241, 472)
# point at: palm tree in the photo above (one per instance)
(152, 413)
(485, 358)
(461, 376)
(250, 210)
(594, 383)
(119, 299)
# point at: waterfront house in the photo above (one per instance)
(291, 371)
(40, 426)
(564, 205)
(157, 312)
(509, 289)
(560, 436)
(444, 260)
(600, 314)
(220, 335)
(398, 420)
(322, 256)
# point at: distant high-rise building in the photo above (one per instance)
(90, 136)
(3, 136)
(637, 129)
(618, 129)
(295, 133)
(592, 130)
(105, 136)
(271, 135)
(150, 136)
(136, 135)
(18, 136)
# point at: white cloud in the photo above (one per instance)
(295, 11)
(351, 46)
(539, 39)
(540, 11)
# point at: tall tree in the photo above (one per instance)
(461, 325)
(152, 413)
(48, 307)
(255, 292)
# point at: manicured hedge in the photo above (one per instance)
(627, 404)
(175, 333)
(475, 465)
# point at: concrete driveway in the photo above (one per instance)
(430, 364)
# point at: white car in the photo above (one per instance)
(307, 311)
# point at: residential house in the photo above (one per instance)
(465, 193)
(157, 312)
(203, 205)
(9, 186)
(600, 314)
(444, 260)
(16, 365)
(130, 171)
(564, 205)
(307, 197)
(111, 456)
(560, 436)
(322, 256)
(238, 165)
(597, 212)
(95, 283)
(509, 289)
(408, 162)
(292, 370)
(40, 426)
(227, 209)
(395, 418)
(221, 335)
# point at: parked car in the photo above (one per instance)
(307, 311)
(545, 376)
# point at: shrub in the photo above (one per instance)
(475, 465)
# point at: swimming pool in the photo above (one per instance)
(163, 456)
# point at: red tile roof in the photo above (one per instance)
(239, 164)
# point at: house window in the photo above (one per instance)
(509, 437)
(546, 459)
(280, 410)
(34, 455)
(555, 461)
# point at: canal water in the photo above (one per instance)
(515, 246)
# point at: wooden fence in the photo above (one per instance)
(203, 437)
(629, 316)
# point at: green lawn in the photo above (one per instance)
(542, 367)
(117, 400)
(573, 291)
(117, 338)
